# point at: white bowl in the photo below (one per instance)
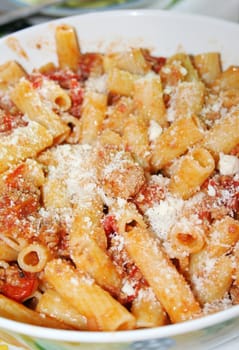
(164, 33)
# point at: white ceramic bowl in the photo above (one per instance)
(164, 33)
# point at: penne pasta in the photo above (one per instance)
(211, 269)
(18, 312)
(135, 137)
(93, 115)
(21, 145)
(208, 66)
(175, 141)
(7, 253)
(148, 99)
(147, 310)
(223, 136)
(10, 73)
(33, 257)
(121, 82)
(119, 182)
(132, 61)
(29, 102)
(53, 305)
(177, 299)
(193, 169)
(67, 46)
(102, 311)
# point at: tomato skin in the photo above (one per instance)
(8, 122)
(24, 288)
(110, 225)
(148, 195)
(16, 176)
(156, 62)
(77, 97)
(36, 80)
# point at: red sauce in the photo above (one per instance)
(156, 62)
(149, 194)
(8, 122)
(109, 224)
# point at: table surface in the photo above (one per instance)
(228, 9)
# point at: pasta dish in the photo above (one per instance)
(119, 193)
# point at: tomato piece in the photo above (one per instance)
(22, 288)
(148, 195)
(36, 80)
(16, 176)
(109, 224)
(90, 62)
(26, 205)
(156, 62)
(63, 77)
(76, 94)
(8, 122)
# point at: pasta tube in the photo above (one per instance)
(18, 312)
(193, 169)
(102, 311)
(53, 305)
(67, 47)
(29, 102)
(174, 141)
(176, 298)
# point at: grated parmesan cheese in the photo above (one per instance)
(127, 288)
(74, 169)
(162, 216)
(228, 164)
(154, 131)
(97, 84)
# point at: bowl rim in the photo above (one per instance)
(172, 330)
(75, 336)
(132, 13)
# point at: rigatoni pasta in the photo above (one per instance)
(119, 182)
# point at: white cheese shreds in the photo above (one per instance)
(97, 84)
(154, 131)
(228, 164)
(116, 164)
(74, 168)
(163, 215)
(211, 191)
(218, 305)
(128, 288)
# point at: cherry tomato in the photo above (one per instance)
(22, 288)
(109, 224)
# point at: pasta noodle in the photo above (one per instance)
(52, 304)
(119, 182)
(10, 73)
(33, 258)
(175, 140)
(143, 250)
(105, 313)
(29, 102)
(147, 310)
(68, 50)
